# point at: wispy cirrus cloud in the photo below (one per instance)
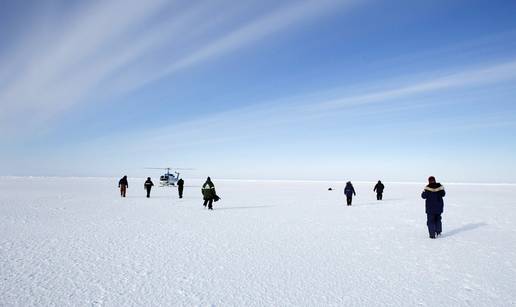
(62, 60)
(267, 119)
(254, 31)
(122, 45)
(451, 80)
(263, 127)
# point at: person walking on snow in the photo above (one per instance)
(123, 185)
(148, 186)
(208, 193)
(378, 188)
(434, 204)
(180, 185)
(349, 191)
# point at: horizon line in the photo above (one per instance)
(277, 180)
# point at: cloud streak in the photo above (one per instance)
(57, 71)
(107, 48)
(254, 31)
(269, 119)
(470, 77)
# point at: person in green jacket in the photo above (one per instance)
(208, 193)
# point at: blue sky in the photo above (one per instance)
(337, 90)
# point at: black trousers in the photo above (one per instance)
(433, 221)
(379, 196)
(148, 192)
(123, 189)
(180, 190)
(348, 200)
(208, 202)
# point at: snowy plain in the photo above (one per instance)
(75, 242)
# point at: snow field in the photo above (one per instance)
(75, 242)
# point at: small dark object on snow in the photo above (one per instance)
(330, 189)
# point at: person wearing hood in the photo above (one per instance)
(349, 191)
(123, 185)
(208, 193)
(434, 204)
(148, 186)
(378, 188)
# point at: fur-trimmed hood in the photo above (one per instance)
(434, 187)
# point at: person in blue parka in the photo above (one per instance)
(433, 195)
(349, 191)
(378, 188)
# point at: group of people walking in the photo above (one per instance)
(123, 185)
(208, 190)
(349, 191)
(434, 206)
(433, 194)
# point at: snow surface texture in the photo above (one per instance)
(74, 241)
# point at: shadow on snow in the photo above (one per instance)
(388, 201)
(244, 207)
(466, 227)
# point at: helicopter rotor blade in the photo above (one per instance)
(171, 168)
(164, 168)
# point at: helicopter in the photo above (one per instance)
(168, 179)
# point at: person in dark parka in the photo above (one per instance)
(180, 186)
(208, 193)
(148, 186)
(349, 191)
(378, 188)
(434, 204)
(123, 185)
